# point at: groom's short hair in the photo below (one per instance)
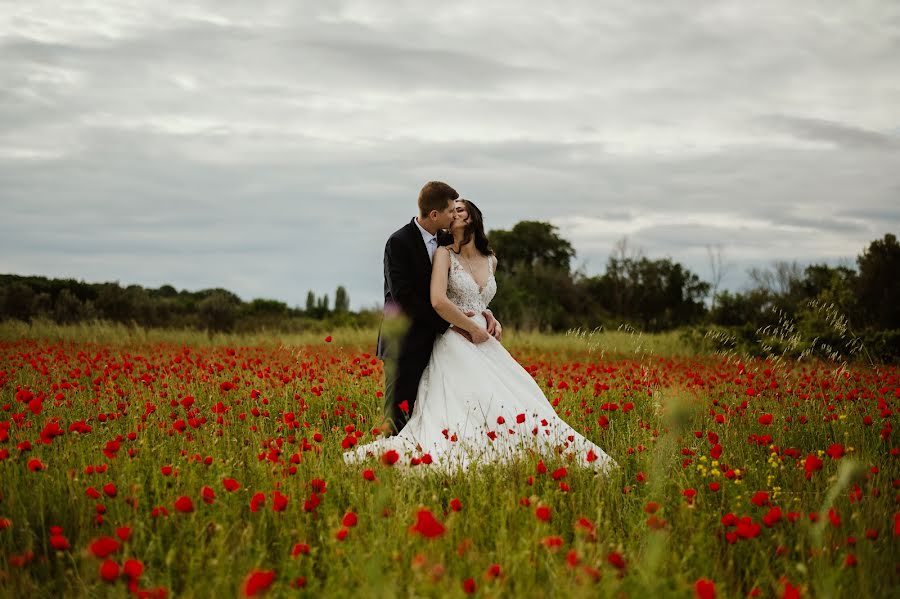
(434, 196)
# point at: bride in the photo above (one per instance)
(475, 403)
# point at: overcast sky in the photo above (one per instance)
(271, 147)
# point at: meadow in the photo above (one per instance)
(152, 463)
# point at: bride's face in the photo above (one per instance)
(462, 215)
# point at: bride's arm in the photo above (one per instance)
(443, 306)
(493, 325)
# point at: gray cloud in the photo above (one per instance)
(272, 148)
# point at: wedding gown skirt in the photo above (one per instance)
(476, 404)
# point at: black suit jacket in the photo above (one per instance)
(407, 290)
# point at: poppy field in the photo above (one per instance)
(166, 469)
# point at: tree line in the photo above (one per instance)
(539, 290)
(67, 301)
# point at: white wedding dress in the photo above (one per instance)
(476, 404)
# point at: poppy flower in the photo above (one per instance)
(543, 513)
(559, 473)
(342, 534)
(349, 520)
(104, 547)
(390, 457)
(300, 549)
(469, 586)
(124, 533)
(109, 570)
(258, 582)
(616, 560)
(184, 505)
(427, 525)
(279, 502)
(404, 406)
(705, 589)
(369, 474)
(231, 485)
(60, 542)
(257, 501)
(133, 569)
(811, 464)
(456, 504)
(35, 465)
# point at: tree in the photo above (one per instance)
(879, 283)
(67, 308)
(529, 244)
(310, 301)
(341, 300)
(218, 311)
(18, 302)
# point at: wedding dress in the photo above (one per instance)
(476, 404)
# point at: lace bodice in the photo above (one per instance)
(463, 291)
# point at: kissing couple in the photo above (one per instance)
(454, 396)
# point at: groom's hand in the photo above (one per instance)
(493, 326)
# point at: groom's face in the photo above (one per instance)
(445, 217)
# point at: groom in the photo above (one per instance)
(410, 325)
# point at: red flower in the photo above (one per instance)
(231, 485)
(368, 474)
(35, 465)
(109, 570)
(279, 502)
(469, 586)
(591, 456)
(133, 569)
(390, 457)
(342, 534)
(184, 505)
(208, 495)
(811, 464)
(427, 525)
(705, 589)
(760, 498)
(257, 501)
(541, 468)
(835, 451)
(559, 473)
(60, 543)
(349, 520)
(328, 339)
(300, 549)
(404, 406)
(124, 533)
(765, 419)
(104, 547)
(714, 487)
(258, 582)
(543, 513)
(520, 418)
(110, 490)
(616, 560)
(456, 504)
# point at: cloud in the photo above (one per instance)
(272, 148)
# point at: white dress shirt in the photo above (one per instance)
(429, 239)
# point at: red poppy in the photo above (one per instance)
(760, 498)
(543, 513)
(349, 520)
(328, 339)
(705, 589)
(60, 542)
(133, 569)
(559, 473)
(765, 419)
(35, 465)
(109, 570)
(258, 582)
(404, 406)
(124, 533)
(300, 549)
(456, 504)
(279, 502)
(469, 586)
(616, 560)
(368, 474)
(390, 457)
(184, 505)
(104, 547)
(231, 485)
(427, 525)
(342, 534)
(811, 464)
(208, 495)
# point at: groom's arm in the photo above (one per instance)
(399, 275)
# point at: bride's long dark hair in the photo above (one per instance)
(474, 230)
